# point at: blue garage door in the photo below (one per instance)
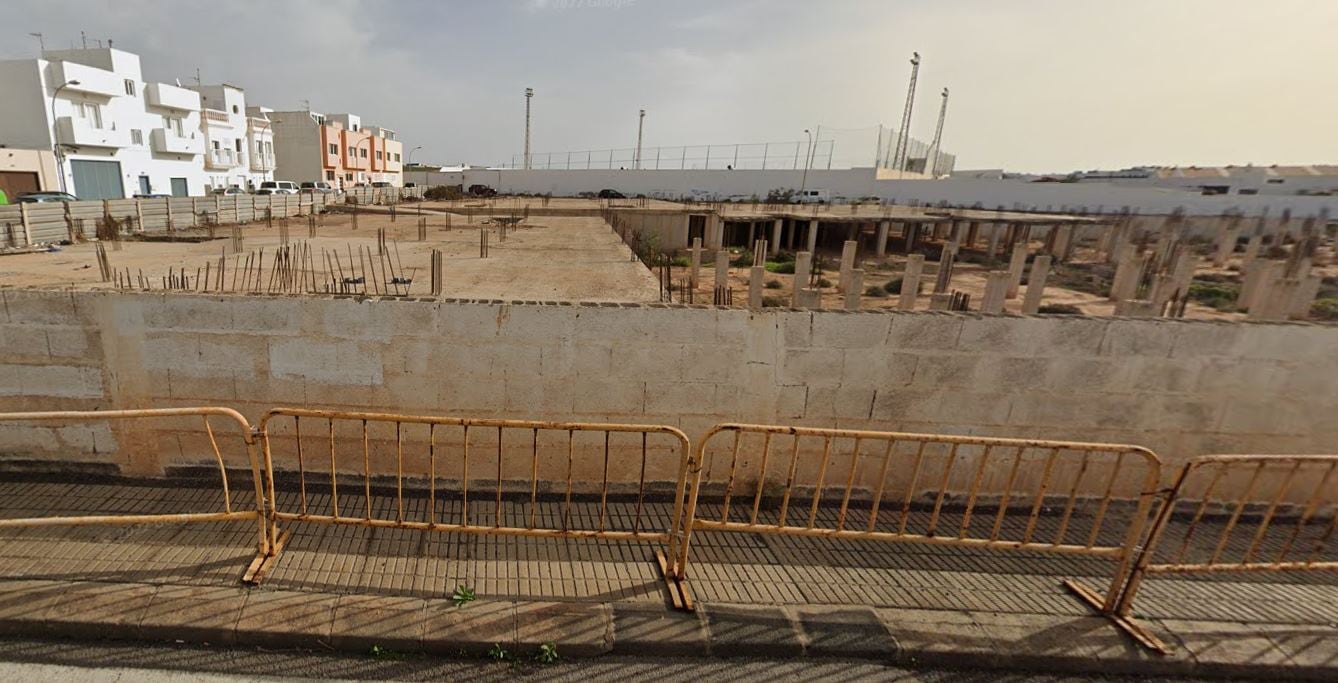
(97, 179)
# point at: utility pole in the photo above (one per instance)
(41, 44)
(903, 136)
(932, 161)
(529, 95)
(640, 126)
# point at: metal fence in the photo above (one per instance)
(228, 513)
(1282, 520)
(924, 488)
(481, 476)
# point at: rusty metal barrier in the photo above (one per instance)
(439, 449)
(900, 487)
(204, 413)
(1304, 489)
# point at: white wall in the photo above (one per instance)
(1010, 194)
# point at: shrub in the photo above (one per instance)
(1325, 309)
(1060, 309)
(1219, 295)
(775, 302)
(743, 260)
(444, 192)
(875, 291)
(680, 262)
(893, 286)
(773, 284)
(783, 257)
(786, 268)
(824, 282)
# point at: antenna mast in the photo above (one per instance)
(903, 137)
(931, 163)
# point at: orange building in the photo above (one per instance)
(335, 148)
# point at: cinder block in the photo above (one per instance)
(933, 371)
(796, 328)
(877, 368)
(1011, 373)
(74, 342)
(347, 363)
(921, 331)
(812, 366)
(716, 362)
(1085, 375)
(1151, 337)
(843, 330)
(34, 307)
(679, 398)
(473, 323)
(614, 397)
(1003, 335)
(24, 341)
(60, 381)
(827, 402)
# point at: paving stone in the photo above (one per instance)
(468, 630)
(751, 631)
(1071, 644)
(197, 614)
(363, 621)
(844, 632)
(286, 619)
(99, 610)
(654, 629)
(1308, 646)
(577, 629)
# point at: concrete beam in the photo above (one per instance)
(1040, 269)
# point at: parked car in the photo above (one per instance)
(482, 191)
(381, 183)
(408, 185)
(153, 195)
(279, 186)
(267, 190)
(226, 191)
(39, 197)
(320, 187)
(811, 197)
(610, 194)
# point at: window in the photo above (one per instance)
(1275, 181)
(129, 87)
(238, 144)
(234, 109)
(136, 136)
(90, 113)
(334, 149)
(269, 148)
(352, 152)
(397, 157)
(378, 155)
(174, 124)
(329, 175)
(363, 153)
(348, 176)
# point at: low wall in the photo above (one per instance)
(1179, 387)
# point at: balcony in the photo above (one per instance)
(165, 141)
(224, 158)
(77, 132)
(215, 118)
(171, 97)
(92, 80)
(262, 162)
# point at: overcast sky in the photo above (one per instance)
(1037, 85)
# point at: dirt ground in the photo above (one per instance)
(545, 258)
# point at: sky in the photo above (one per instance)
(1036, 85)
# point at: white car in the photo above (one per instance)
(811, 197)
(278, 187)
(228, 191)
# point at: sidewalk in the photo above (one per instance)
(351, 588)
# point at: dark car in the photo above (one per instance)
(152, 195)
(610, 194)
(482, 191)
(39, 197)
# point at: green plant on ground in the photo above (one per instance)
(893, 286)
(378, 652)
(743, 260)
(1219, 295)
(680, 262)
(782, 267)
(1325, 309)
(783, 257)
(498, 653)
(548, 654)
(773, 284)
(462, 595)
(875, 291)
(824, 282)
(775, 302)
(1060, 309)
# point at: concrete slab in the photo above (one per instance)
(363, 621)
(577, 629)
(652, 629)
(751, 631)
(1227, 649)
(939, 637)
(1073, 644)
(99, 610)
(206, 614)
(286, 619)
(24, 603)
(470, 629)
(844, 632)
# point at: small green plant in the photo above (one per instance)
(462, 595)
(773, 284)
(824, 282)
(378, 652)
(548, 654)
(875, 291)
(1325, 309)
(781, 267)
(680, 262)
(775, 302)
(1060, 309)
(498, 653)
(743, 260)
(893, 286)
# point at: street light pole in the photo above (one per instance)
(803, 184)
(529, 95)
(640, 126)
(55, 134)
(408, 161)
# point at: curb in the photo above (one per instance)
(906, 637)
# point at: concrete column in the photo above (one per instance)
(996, 289)
(1258, 275)
(776, 235)
(856, 285)
(1040, 269)
(715, 232)
(940, 302)
(756, 278)
(812, 235)
(992, 251)
(1274, 299)
(943, 280)
(1126, 274)
(1226, 244)
(1305, 296)
(1136, 308)
(1016, 264)
(910, 230)
(695, 269)
(803, 263)
(883, 227)
(1252, 249)
(722, 268)
(809, 298)
(847, 264)
(1063, 242)
(910, 282)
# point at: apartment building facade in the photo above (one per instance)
(335, 148)
(239, 141)
(113, 134)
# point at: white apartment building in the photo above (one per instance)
(239, 142)
(114, 134)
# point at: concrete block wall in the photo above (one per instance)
(1182, 388)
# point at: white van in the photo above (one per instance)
(279, 186)
(811, 197)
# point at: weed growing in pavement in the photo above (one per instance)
(462, 595)
(498, 653)
(548, 654)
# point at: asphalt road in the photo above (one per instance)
(63, 661)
